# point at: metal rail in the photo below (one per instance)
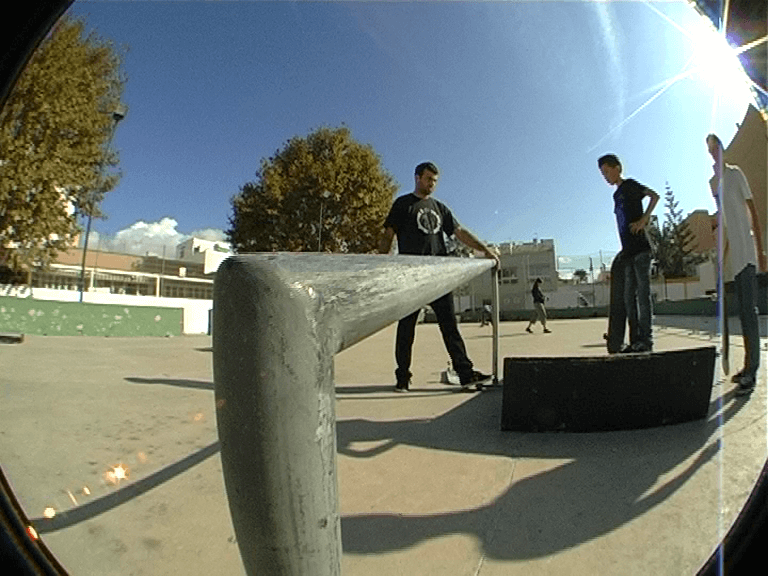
(278, 321)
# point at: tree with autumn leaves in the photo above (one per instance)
(55, 134)
(323, 192)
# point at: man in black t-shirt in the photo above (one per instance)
(635, 253)
(420, 222)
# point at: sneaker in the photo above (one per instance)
(402, 386)
(638, 347)
(528, 329)
(746, 386)
(477, 379)
(547, 331)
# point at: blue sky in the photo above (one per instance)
(514, 101)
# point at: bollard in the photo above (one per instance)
(278, 320)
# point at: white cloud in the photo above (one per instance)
(212, 234)
(150, 238)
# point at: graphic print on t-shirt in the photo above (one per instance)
(428, 220)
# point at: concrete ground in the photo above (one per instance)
(428, 482)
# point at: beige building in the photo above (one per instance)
(190, 275)
(521, 264)
(703, 238)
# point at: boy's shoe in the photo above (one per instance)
(402, 386)
(636, 348)
(547, 331)
(528, 329)
(476, 380)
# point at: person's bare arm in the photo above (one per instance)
(471, 240)
(385, 243)
(638, 225)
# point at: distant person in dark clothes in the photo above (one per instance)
(485, 315)
(635, 250)
(744, 253)
(539, 311)
(420, 223)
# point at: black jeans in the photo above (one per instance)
(454, 344)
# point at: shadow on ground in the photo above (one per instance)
(183, 383)
(609, 481)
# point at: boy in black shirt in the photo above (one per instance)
(419, 222)
(635, 250)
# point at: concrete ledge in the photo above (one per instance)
(621, 392)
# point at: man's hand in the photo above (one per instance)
(466, 237)
(491, 254)
(385, 242)
(638, 225)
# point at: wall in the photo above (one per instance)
(194, 314)
(53, 318)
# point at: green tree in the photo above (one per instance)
(671, 241)
(323, 192)
(55, 131)
(580, 275)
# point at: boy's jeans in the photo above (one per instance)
(637, 297)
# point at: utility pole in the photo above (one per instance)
(117, 115)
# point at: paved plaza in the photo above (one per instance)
(111, 447)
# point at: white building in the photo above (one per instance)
(206, 252)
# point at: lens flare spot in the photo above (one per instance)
(49, 512)
(116, 474)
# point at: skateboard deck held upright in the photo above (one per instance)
(617, 314)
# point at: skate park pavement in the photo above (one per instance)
(110, 445)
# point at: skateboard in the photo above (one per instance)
(617, 314)
(725, 346)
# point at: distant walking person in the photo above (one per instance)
(539, 311)
(420, 223)
(485, 315)
(635, 250)
(745, 251)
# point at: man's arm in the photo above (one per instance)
(638, 225)
(471, 240)
(755, 221)
(385, 244)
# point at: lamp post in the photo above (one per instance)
(117, 114)
(326, 195)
